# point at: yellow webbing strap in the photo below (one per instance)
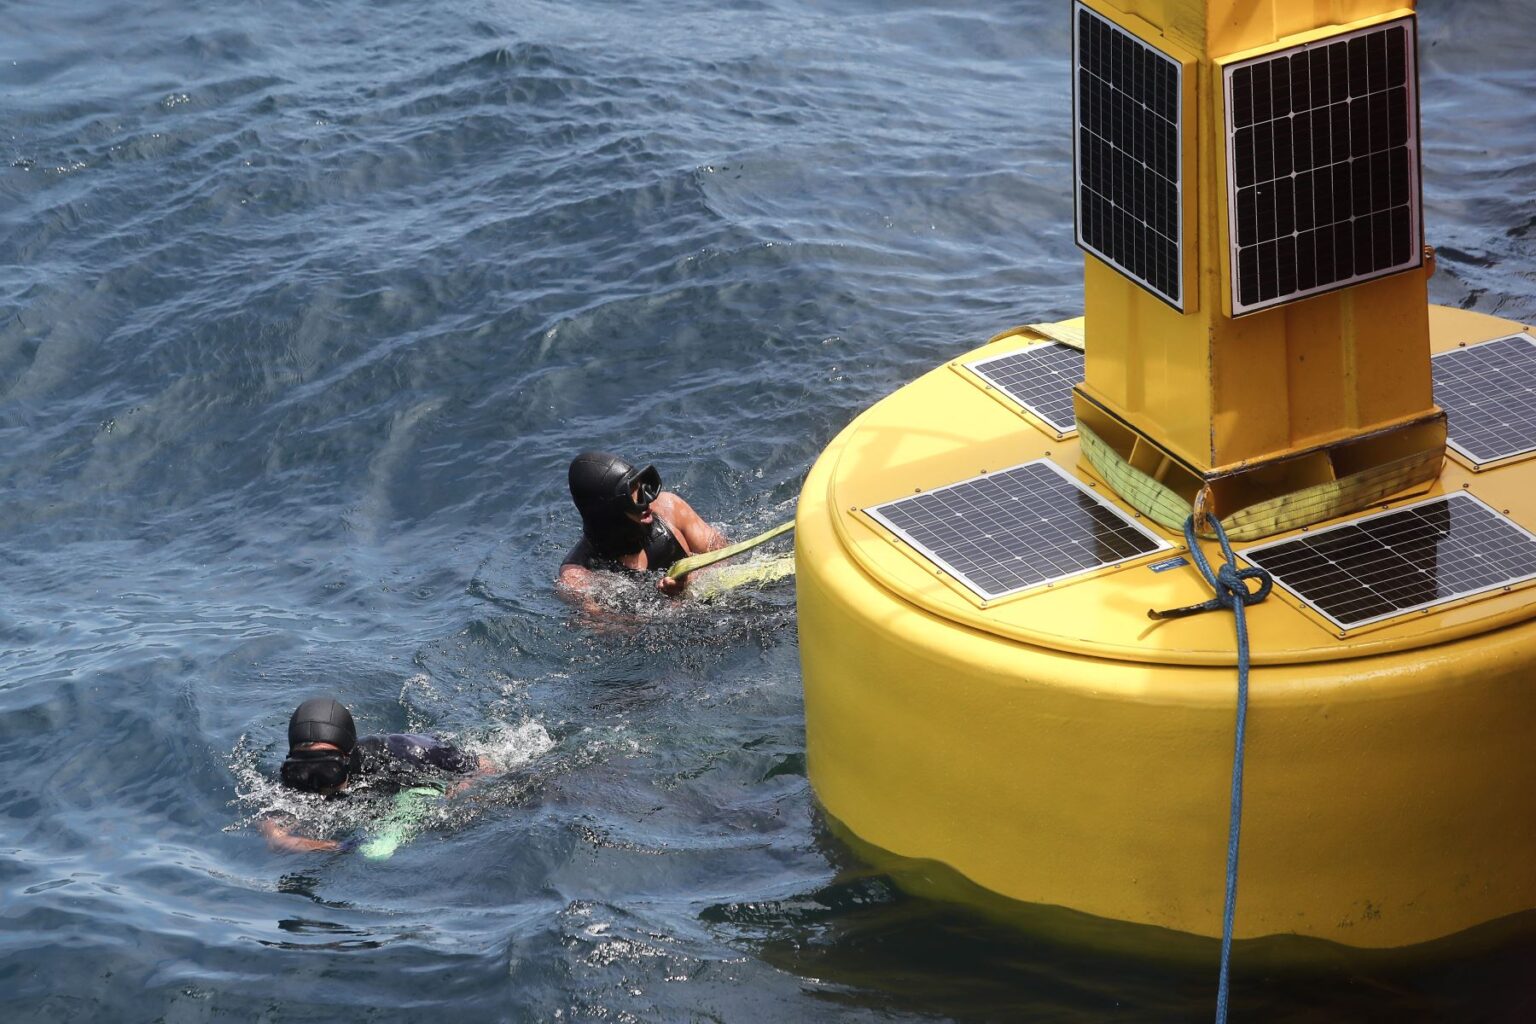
(1140, 491)
(683, 566)
(1068, 332)
(1334, 498)
(1276, 515)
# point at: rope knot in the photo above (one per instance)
(1229, 583)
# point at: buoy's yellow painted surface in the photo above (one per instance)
(1059, 748)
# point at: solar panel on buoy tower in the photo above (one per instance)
(1322, 165)
(1126, 101)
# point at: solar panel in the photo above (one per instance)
(1003, 532)
(1323, 165)
(1488, 392)
(1391, 563)
(1039, 378)
(1126, 101)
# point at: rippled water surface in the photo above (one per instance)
(303, 309)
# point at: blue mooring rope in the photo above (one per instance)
(1231, 586)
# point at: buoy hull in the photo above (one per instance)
(1390, 800)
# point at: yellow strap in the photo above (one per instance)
(1334, 498)
(1152, 499)
(683, 566)
(1292, 511)
(1068, 332)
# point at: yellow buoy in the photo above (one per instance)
(1059, 748)
(1257, 346)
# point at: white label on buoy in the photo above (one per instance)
(1168, 563)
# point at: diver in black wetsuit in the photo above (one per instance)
(628, 523)
(325, 756)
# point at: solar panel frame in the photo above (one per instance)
(1033, 378)
(1346, 66)
(1496, 377)
(1131, 164)
(1041, 480)
(1488, 538)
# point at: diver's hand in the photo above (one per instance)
(672, 587)
(483, 767)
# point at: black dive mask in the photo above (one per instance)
(315, 771)
(641, 488)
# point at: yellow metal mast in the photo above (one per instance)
(1321, 405)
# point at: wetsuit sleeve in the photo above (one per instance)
(581, 555)
(662, 547)
(372, 752)
(449, 758)
(421, 751)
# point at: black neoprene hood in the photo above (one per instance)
(322, 720)
(600, 484)
(601, 481)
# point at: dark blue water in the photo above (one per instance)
(303, 309)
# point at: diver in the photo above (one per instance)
(325, 756)
(629, 524)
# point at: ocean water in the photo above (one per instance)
(304, 307)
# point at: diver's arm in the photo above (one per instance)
(284, 841)
(483, 767)
(696, 536)
(575, 586)
(688, 526)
